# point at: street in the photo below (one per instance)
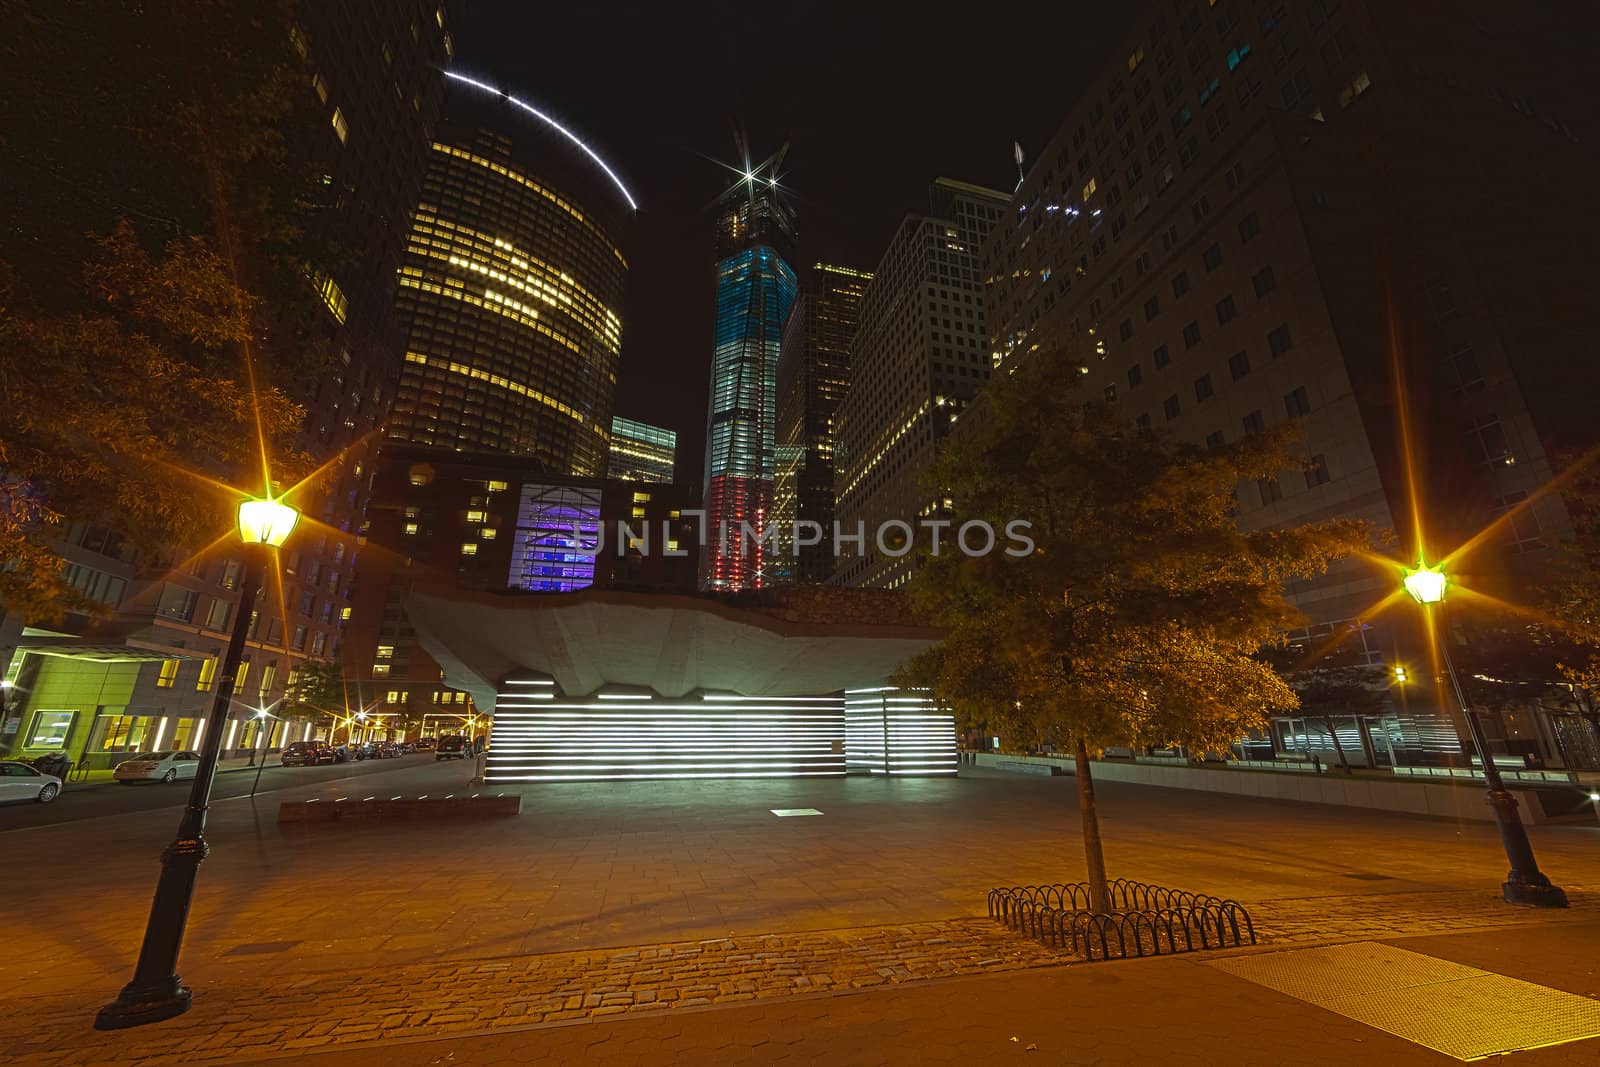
(92, 800)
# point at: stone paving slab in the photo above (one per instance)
(241, 1018)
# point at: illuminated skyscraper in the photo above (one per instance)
(813, 374)
(755, 289)
(511, 291)
(641, 452)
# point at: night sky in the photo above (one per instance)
(876, 99)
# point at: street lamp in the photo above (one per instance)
(156, 991)
(1525, 883)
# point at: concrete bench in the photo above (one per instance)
(1028, 767)
(476, 806)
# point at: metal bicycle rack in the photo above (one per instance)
(1144, 920)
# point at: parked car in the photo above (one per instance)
(308, 754)
(380, 750)
(407, 747)
(157, 767)
(454, 747)
(424, 744)
(18, 781)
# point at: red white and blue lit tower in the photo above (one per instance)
(755, 290)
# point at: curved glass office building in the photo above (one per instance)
(511, 290)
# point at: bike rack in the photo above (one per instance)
(1144, 920)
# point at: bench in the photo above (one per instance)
(1016, 766)
(475, 806)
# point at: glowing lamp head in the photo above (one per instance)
(266, 522)
(1426, 584)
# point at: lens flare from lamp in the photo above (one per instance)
(1426, 584)
(266, 522)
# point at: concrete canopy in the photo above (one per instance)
(672, 645)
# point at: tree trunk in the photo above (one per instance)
(1338, 748)
(1099, 896)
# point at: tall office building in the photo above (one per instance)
(490, 477)
(920, 355)
(511, 291)
(641, 452)
(144, 676)
(813, 374)
(755, 289)
(1251, 213)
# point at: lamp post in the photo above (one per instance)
(156, 992)
(1525, 883)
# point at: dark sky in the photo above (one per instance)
(876, 97)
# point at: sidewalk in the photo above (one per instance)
(1171, 1010)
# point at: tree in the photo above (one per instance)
(319, 695)
(1329, 692)
(1572, 592)
(408, 717)
(1137, 617)
(161, 186)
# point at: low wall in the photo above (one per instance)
(1412, 796)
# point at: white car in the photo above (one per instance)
(18, 781)
(157, 767)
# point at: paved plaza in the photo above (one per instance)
(641, 898)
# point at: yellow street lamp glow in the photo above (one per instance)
(1425, 584)
(266, 522)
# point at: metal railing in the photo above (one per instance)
(1144, 920)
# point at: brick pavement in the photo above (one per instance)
(244, 1018)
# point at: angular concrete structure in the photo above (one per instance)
(601, 685)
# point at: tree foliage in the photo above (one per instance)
(1572, 592)
(1138, 617)
(159, 202)
(319, 695)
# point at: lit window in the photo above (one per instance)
(638, 513)
(411, 529)
(320, 86)
(641, 498)
(475, 516)
(386, 652)
(380, 670)
(672, 546)
(487, 533)
(208, 674)
(496, 486)
(469, 549)
(393, 697)
(332, 296)
(169, 674)
(344, 614)
(340, 127)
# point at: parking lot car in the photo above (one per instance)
(18, 781)
(157, 767)
(308, 754)
(456, 747)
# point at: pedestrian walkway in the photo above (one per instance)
(252, 1014)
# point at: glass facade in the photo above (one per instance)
(755, 291)
(641, 452)
(511, 299)
(556, 539)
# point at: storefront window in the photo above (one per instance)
(51, 729)
(123, 733)
(183, 734)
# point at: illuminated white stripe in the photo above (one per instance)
(553, 124)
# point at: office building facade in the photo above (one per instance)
(813, 374)
(1259, 214)
(641, 452)
(755, 288)
(144, 675)
(511, 292)
(919, 356)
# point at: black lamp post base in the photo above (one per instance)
(143, 1006)
(1540, 894)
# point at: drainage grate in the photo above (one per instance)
(1448, 1007)
(260, 948)
(784, 813)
